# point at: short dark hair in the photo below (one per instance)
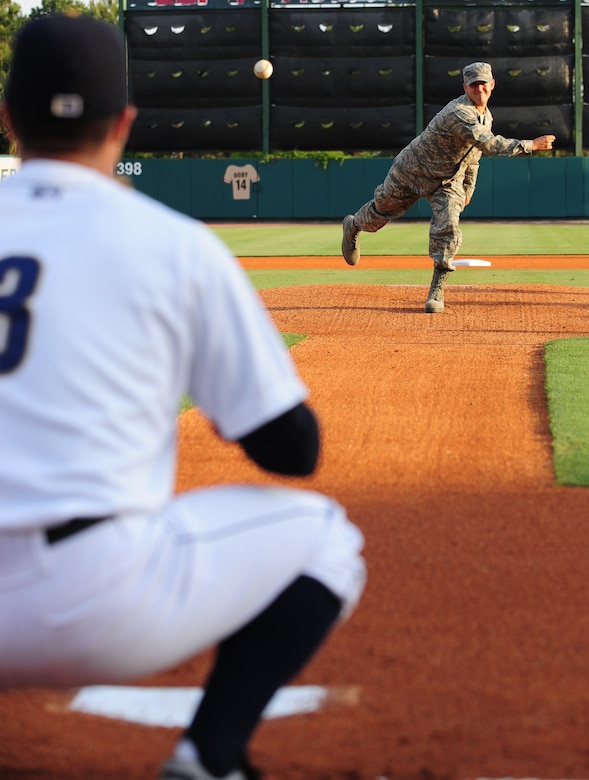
(46, 139)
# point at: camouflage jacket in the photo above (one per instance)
(448, 151)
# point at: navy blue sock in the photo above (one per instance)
(252, 664)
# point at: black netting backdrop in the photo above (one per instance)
(343, 32)
(190, 75)
(499, 32)
(532, 121)
(343, 82)
(585, 22)
(341, 128)
(178, 35)
(194, 84)
(585, 31)
(165, 130)
(345, 78)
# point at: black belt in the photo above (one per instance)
(59, 532)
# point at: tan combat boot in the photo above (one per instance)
(351, 241)
(435, 297)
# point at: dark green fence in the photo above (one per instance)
(519, 188)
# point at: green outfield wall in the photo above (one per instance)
(520, 188)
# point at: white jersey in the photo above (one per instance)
(111, 307)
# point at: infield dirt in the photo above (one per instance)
(469, 650)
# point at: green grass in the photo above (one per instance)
(291, 339)
(186, 403)
(406, 238)
(567, 391)
(266, 279)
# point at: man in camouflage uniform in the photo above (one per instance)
(441, 165)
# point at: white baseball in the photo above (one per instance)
(263, 69)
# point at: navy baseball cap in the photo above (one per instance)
(66, 68)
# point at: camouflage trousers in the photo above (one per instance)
(395, 196)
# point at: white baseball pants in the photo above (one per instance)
(134, 595)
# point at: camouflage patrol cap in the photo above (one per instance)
(477, 71)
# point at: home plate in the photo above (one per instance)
(472, 262)
(175, 707)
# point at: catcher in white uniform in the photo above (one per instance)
(111, 307)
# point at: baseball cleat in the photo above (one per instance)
(351, 241)
(175, 769)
